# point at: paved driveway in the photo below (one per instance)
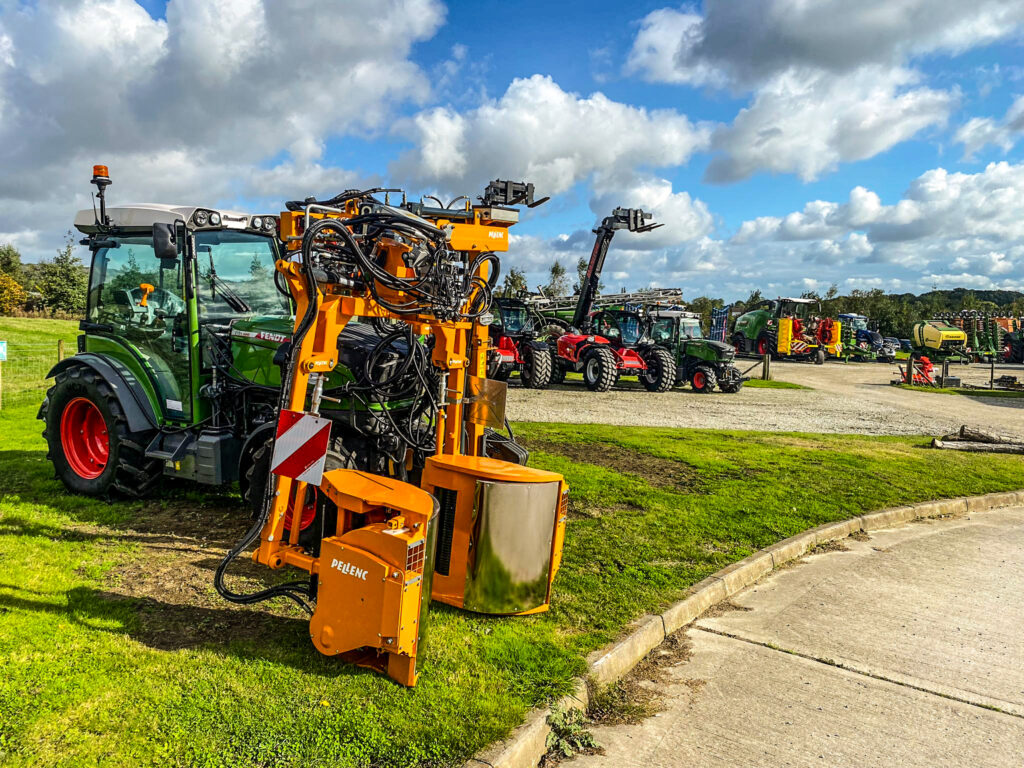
(906, 649)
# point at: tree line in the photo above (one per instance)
(53, 286)
(893, 314)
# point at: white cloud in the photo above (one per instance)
(830, 80)
(954, 226)
(196, 104)
(808, 124)
(978, 132)
(751, 41)
(539, 132)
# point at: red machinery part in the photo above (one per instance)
(84, 438)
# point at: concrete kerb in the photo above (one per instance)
(528, 743)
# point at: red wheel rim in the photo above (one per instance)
(83, 436)
(762, 346)
(305, 519)
(698, 380)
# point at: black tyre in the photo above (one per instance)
(731, 383)
(765, 345)
(256, 472)
(661, 369)
(600, 369)
(536, 370)
(819, 356)
(557, 368)
(703, 380)
(90, 445)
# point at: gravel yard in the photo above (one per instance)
(846, 398)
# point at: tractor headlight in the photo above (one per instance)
(215, 218)
(257, 222)
(270, 223)
(201, 218)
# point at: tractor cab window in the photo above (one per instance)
(689, 328)
(663, 330)
(796, 309)
(515, 319)
(236, 276)
(859, 323)
(624, 327)
(141, 300)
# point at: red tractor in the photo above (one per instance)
(613, 342)
(516, 346)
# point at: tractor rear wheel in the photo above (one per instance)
(600, 369)
(660, 374)
(90, 445)
(536, 371)
(704, 380)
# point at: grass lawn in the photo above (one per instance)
(773, 384)
(116, 651)
(967, 392)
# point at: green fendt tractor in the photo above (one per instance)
(178, 370)
(702, 362)
(789, 329)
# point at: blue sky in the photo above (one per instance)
(787, 145)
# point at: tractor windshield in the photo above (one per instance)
(800, 309)
(689, 328)
(663, 330)
(515, 318)
(236, 275)
(859, 323)
(624, 327)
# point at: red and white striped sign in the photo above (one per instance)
(300, 449)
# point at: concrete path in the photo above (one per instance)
(905, 650)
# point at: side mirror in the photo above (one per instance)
(165, 243)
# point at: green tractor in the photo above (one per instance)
(702, 362)
(788, 329)
(178, 371)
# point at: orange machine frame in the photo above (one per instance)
(394, 512)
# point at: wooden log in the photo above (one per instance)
(977, 447)
(971, 434)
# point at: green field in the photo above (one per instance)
(773, 384)
(117, 651)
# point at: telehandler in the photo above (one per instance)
(360, 426)
(611, 343)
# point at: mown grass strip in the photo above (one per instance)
(116, 650)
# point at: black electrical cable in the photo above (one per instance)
(293, 590)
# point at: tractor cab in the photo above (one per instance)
(513, 317)
(164, 277)
(152, 298)
(622, 328)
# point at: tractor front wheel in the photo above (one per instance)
(732, 382)
(536, 371)
(90, 445)
(660, 373)
(600, 369)
(703, 380)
